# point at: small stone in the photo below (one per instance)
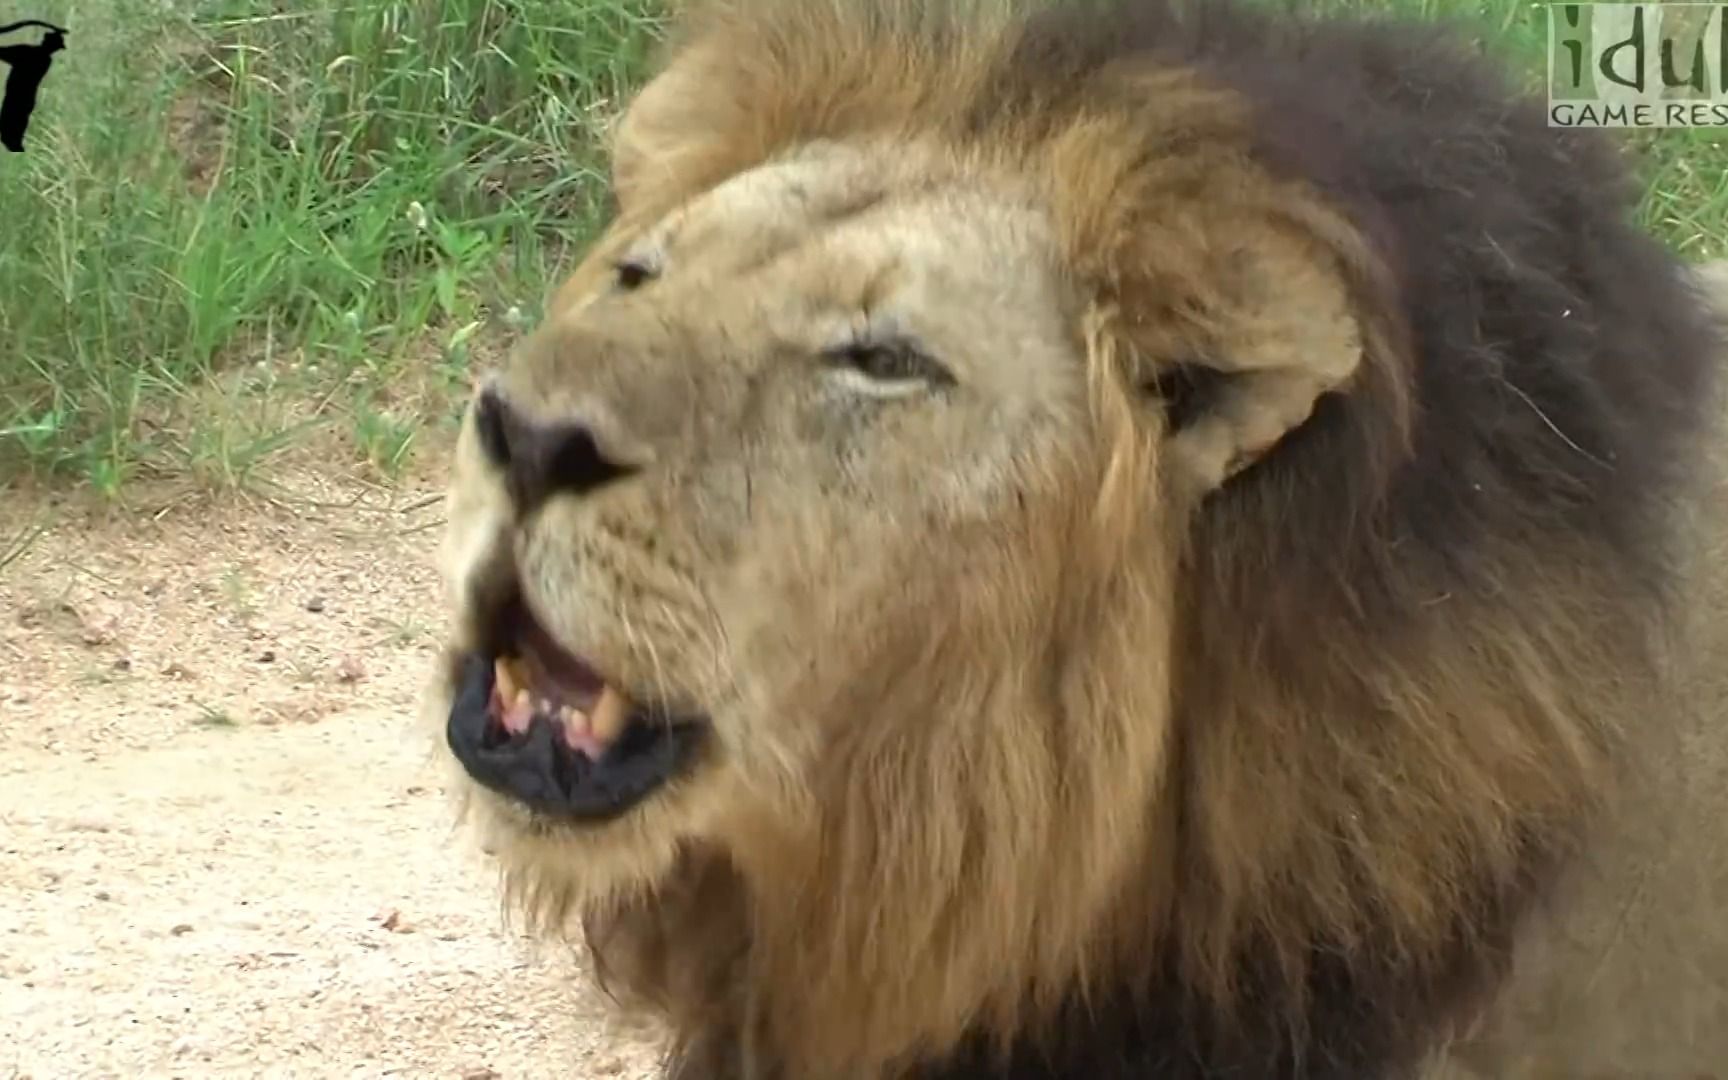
(181, 929)
(98, 628)
(349, 669)
(315, 604)
(395, 923)
(268, 656)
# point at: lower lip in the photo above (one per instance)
(537, 769)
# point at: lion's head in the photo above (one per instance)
(948, 522)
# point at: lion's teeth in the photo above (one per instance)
(610, 714)
(505, 679)
(577, 735)
(520, 714)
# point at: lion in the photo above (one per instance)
(1105, 540)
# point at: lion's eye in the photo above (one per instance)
(634, 273)
(891, 362)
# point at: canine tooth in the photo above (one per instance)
(505, 679)
(519, 715)
(578, 735)
(610, 714)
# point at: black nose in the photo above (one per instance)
(541, 460)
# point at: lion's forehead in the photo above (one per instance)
(839, 239)
(900, 201)
(794, 193)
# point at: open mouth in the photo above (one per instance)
(535, 722)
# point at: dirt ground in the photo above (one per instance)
(225, 845)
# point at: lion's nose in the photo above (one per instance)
(538, 459)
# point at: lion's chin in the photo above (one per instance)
(560, 858)
(556, 868)
(554, 873)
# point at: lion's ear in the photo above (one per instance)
(1279, 330)
(672, 126)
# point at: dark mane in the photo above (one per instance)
(1561, 371)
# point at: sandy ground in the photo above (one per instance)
(225, 845)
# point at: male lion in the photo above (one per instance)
(1120, 540)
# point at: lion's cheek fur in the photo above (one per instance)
(960, 743)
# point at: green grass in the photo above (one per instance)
(394, 181)
(243, 225)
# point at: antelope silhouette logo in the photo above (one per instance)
(28, 66)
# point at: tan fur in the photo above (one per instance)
(944, 785)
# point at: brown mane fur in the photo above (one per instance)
(1401, 649)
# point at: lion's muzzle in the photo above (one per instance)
(529, 718)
